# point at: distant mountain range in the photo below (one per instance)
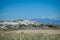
(38, 22)
(46, 20)
(42, 20)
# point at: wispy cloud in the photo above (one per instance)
(43, 17)
(50, 17)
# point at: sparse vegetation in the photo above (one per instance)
(14, 35)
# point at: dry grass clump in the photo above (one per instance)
(27, 36)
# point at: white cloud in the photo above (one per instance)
(43, 17)
(50, 17)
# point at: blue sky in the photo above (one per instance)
(25, 9)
